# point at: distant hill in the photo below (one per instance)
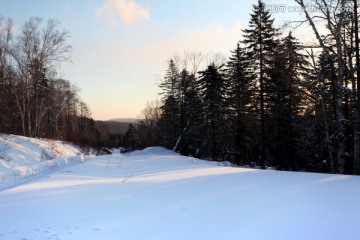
(117, 127)
(124, 120)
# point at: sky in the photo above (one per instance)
(121, 48)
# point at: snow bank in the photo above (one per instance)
(22, 158)
(157, 150)
(152, 151)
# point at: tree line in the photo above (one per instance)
(274, 102)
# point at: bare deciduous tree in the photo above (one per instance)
(151, 113)
(333, 13)
(48, 48)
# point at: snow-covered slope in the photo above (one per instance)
(22, 158)
(156, 194)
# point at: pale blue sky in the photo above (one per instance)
(120, 50)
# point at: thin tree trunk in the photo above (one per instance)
(339, 93)
(326, 125)
(20, 103)
(262, 105)
(180, 137)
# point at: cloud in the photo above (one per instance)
(126, 11)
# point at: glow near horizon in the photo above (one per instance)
(121, 47)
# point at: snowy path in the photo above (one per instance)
(155, 194)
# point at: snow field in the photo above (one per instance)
(157, 194)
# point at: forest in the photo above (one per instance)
(275, 102)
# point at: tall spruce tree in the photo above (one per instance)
(241, 86)
(213, 91)
(190, 115)
(170, 83)
(287, 98)
(193, 108)
(170, 117)
(260, 39)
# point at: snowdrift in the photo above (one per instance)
(23, 158)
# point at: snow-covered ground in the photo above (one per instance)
(23, 158)
(157, 194)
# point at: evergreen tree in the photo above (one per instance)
(241, 86)
(170, 117)
(260, 40)
(170, 83)
(287, 98)
(213, 91)
(185, 82)
(129, 139)
(169, 121)
(190, 115)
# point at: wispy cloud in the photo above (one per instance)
(125, 11)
